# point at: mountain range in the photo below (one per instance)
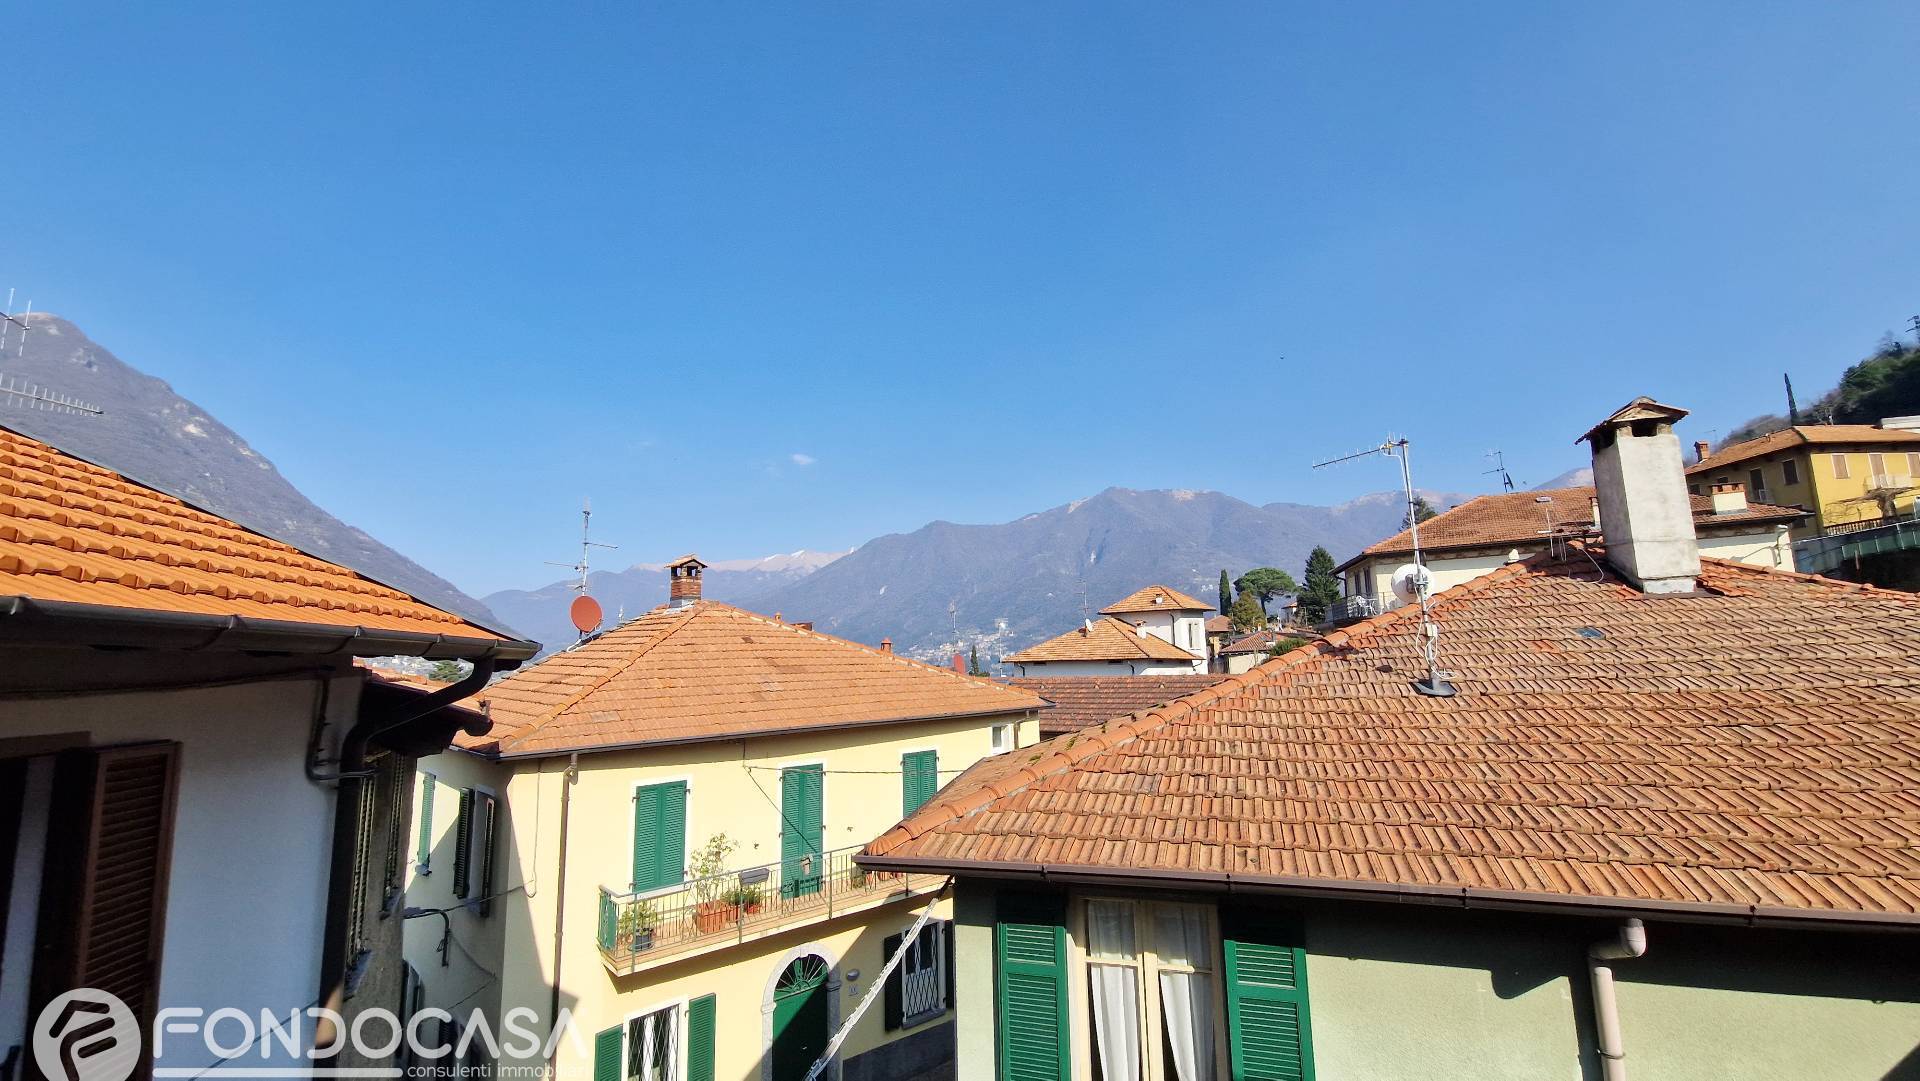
(942, 588)
(948, 587)
(151, 434)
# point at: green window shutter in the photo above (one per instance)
(699, 1039)
(659, 835)
(1269, 1030)
(1030, 976)
(802, 829)
(606, 1055)
(462, 840)
(919, 779)
(425, 856)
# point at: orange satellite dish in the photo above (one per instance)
(586, 613)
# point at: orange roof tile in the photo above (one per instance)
(1262, 641)
(1155, 599)
(712, 671)
(71, 531)
(1752, 749)
(1518, 518)
(1106, 639)
(1082, 701)
(1803, 436)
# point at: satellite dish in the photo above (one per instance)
(1411, 581)
(586, 613)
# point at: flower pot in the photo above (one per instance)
(714, 916)
(643, 940)
(752, 907)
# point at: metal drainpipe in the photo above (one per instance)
(567, 778)
(1631, 941)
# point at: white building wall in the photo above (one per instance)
(1188, 630)
(247, 891)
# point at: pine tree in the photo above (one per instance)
(1266, 583)
(1422, 512)
(973, 666)
(1321, 590)
(1226, 592)
(1246, 614)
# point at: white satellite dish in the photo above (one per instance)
(1411, 581)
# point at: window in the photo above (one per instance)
(1877, 465)
(652, 1051)
(1840, 471)
(1913, 463)
(673, 1043)
(392, 884)
(919, 779)
(486, 812)
(423, 859)
(1790, 473)
(1756, 482)
(1002, 738)
(463, 845)
(920, 988)
(659, 836)
(1151, 991)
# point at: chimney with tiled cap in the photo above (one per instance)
(1729, 498)
(1701, 448)
(1646, 517)
(683, 581)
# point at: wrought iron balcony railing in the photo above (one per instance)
(1361, 606)
(636, 928)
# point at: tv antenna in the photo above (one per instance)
(1500, 467)
(585, 611)
(1420, 581)
(17, 391)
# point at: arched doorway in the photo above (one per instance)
(799, 1017)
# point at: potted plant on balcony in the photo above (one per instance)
(713, 907)
(747, 898)
(637, 922)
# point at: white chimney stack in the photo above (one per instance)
(1646, 517)
(1729, 498)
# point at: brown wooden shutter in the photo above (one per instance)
(110, 844)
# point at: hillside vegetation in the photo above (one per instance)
(1886, 384)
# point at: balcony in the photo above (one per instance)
(1361, 606)
(640, 930)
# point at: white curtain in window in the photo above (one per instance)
(1186, 1004)
(1116, 1021)
(1186, 998)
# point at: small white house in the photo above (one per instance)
(1154, 631)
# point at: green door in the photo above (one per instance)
(799, 1018)
(802, 830)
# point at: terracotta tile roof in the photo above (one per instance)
(1516, 518)
(1104, 639)
(1082, 701)
(407, 681)
(1155, 599)
(712, 671)
(72, 531)
(1819, 435)
(1751, 750)
(1219, 625)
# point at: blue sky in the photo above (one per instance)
(765, 277)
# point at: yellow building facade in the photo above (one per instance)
(678, 804)
(1847, 475)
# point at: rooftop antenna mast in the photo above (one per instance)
(1500, 467)
(1435, 685)
(17, 391)
(587, 545)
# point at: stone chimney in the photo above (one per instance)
(1646, 518)
(886, 645)
(1701, 448)
(683, 581)
(1729, 498)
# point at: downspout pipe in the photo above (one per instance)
(1628, 942)
(568, 779)
(353, 748)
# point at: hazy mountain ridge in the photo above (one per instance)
(949, 586)
(149, 433)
